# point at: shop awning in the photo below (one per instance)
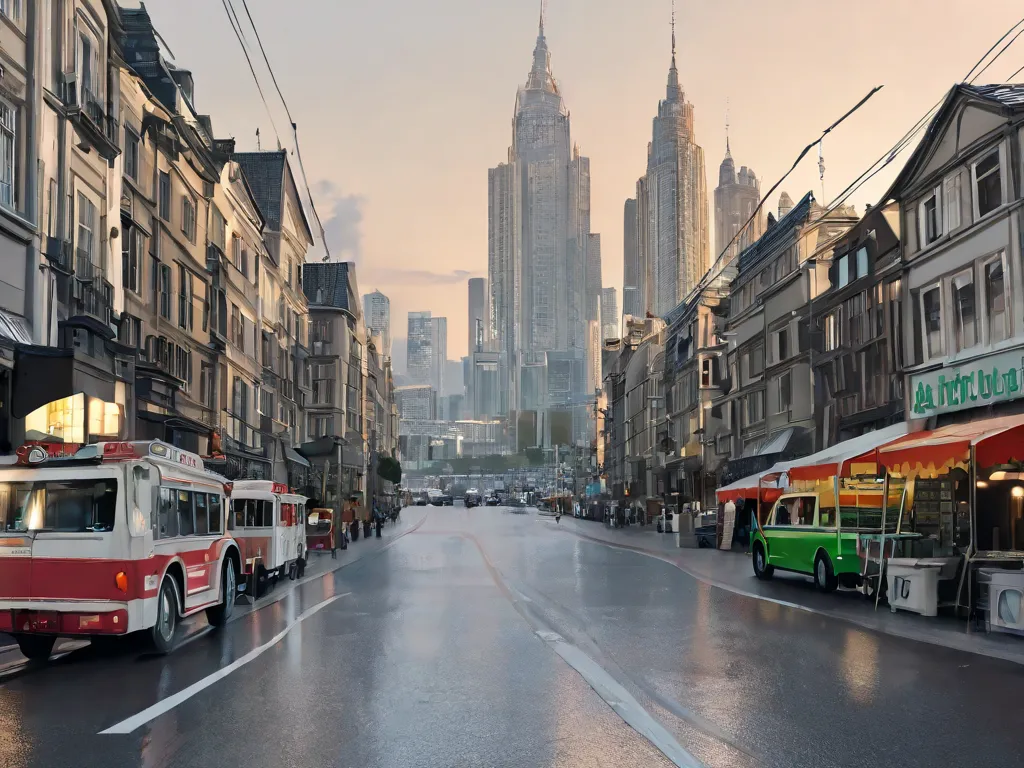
(295, 457)
(14, 328)
(752, 486)
(837, 459)
(998, 440)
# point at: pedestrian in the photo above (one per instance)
(378, 521)
(335, 533)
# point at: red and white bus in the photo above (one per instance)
(269, 524)
(120, 537)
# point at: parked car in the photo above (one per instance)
(492, 501)
(421, 499)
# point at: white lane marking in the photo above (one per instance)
(620, 700)
(166, 705)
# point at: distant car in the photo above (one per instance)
(421, 500)
(471, 499)
(515, 501)
(492, 501)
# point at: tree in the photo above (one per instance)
(390, 469)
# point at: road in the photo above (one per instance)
(489, 638)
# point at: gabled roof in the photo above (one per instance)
(265, 174)
(1005, 98)
(326, 284)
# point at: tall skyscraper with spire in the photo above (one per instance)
(672, 204)
(538, 237)
(736, 199)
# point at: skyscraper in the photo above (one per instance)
(632, 290)
(377, 316)
(479, 317)
(736, 198)
(538, 238)
(419, 348)
(610, 322)
(593, 297)
(438, 353)
(672, 203)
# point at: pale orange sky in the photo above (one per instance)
(403, 105)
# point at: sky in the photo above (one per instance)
(403, 105)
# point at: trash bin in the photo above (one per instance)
(913, 585)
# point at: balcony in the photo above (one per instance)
(92, 123)
(59, 254)
(240, 435)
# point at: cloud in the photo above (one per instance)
(342, 217)
(421, 276)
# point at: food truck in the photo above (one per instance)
(269, 524)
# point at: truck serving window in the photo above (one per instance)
(66, 506)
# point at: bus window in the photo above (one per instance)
(202, 521)
(167, 517)
(268, 513)
(216, 515)
(186, 522)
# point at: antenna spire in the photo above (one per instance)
(727, 151)
(673, 30)
(543, 13)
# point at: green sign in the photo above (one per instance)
(989, 380)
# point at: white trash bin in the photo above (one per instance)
(913, 585)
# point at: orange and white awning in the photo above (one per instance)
(839, 458)
(998, 440)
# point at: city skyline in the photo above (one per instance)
(611, 99)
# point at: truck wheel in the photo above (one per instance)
(35, 647)
(762, 569)
(219, 614)
(162, 633)
(824, 575)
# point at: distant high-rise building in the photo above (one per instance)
(420, 348)
(416, 401)
(632, 276)
(377, 316)
(593, 277)
(610, 322)
(438, 352)
(479, 316)
(538, 238)
(736, 199)
(672, 203)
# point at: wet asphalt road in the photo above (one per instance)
(488, 638)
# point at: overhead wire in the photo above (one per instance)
(295, 129)
(232, 19)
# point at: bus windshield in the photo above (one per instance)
(65, 506)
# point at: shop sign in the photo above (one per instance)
(993, 379)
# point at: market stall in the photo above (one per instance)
(964, 495)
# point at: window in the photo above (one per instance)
(995, 301)
(8, 153)
(785, 392)
(240, 398)
(843, 271)
(131, 153)
(987, 183)
(206, 384)
(167, 515)
(202, 516)
(832, 327)
(965, 330)
(206, 307)
(756, 360)
(753, 408)
(216, 512)
(165, 196)
(862, 262)
(236, 252)
(896, 325)
(951, 198)
(267, 402)
(236, 327)
(826, 517)
(11, 9)
(132, 248)
(183, 365)
(219, 234)
(188, 217)
(803, 511)
(186, 297)
(164, 290)
(708, 372)
(130, 332)
(86, 228)
(323, 383)
(930, 223)
(931, 322)
(186, 521)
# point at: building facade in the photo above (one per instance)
(416, 402)
(610, 321)
(479, 315)
(633, 276)
(420, 348)
(438, 353)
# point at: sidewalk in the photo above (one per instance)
(732, 571)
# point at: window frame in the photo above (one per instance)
(975, 197)
(164, 195)
(922, 225)
(921, 292)
(958, 328)
(189, 212)
(983, 264)
(8, 154)
(785, 376)
(132, 140)
(164, 289)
